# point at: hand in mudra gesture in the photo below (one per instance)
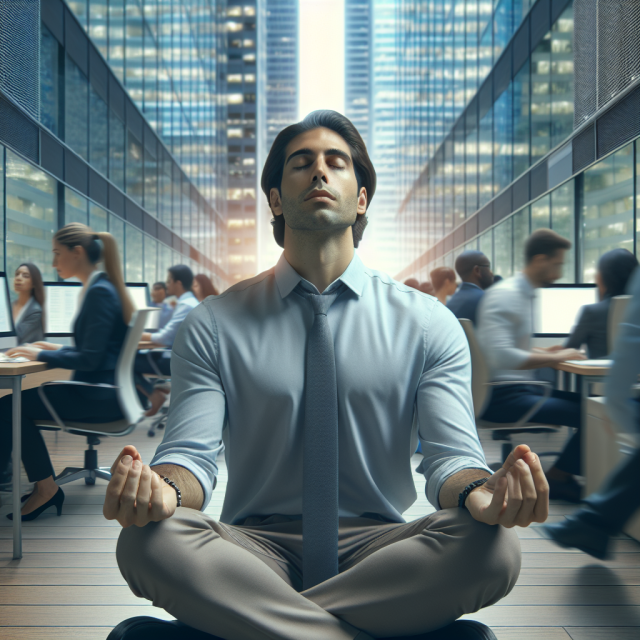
(514, 496)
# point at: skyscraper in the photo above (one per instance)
(125, 135)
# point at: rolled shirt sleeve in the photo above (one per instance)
(446, 422)
(193, 435)
(626, 366)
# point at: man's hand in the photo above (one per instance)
(516, 495)
(136, 494)
(47, 346)
(26, 351)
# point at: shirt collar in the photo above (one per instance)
(469, 285)
(186, 295)
(287, 278)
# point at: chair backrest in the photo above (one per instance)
(616, 312)
(480, 374)
(127, 395)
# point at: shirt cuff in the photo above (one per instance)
(446, 468)
(201, 476)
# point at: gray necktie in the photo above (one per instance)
(320, 451)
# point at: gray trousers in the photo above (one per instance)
(244, 582)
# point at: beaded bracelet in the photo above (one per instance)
(171, 483)
(468, 489)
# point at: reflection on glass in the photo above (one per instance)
(562, 77)
(2, 208)
(503, 249)
(607, 212)
(541, 214)
(520, 234)
(563, 222)
(150, 182)
(116, 229)
(133, 253)
(165, 260)
(485, 159)
(98, 140)
(76, 108)
(521, 127)
(98, 218)
(49, 80)
(75, 207)
(32, 215)
(502, 140)
(116, 149)
(471, 166)
(135, 185)
(150, 260)
(502, 27)
(116, 38)
(485, 244)
(540, 99)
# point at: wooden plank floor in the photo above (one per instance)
(68, 586)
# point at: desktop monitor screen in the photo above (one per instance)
(6, 324)
(138, 293)
(61, 301)
(556, 308)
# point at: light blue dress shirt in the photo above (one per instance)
(626, 366)
(166, 335)
(238, 385)
(166, 311)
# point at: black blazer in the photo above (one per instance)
(99, 332)
(464, 302)
(29, 327)
(591, 329)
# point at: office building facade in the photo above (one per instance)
(517, 115)
(122, 128)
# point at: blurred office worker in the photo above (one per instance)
(505, 328)
(158, 299)
(427, 287)
(605, 513)
(203, 287)
(443, 280)
(615, 269)
(99, 331)
(474, 269)
(28, 309)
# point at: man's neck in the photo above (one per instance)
(534, 281)
(319, 259)
(473, 282)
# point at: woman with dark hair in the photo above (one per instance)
(99, 331)
(615, 269)
(202, 287)
(28, 309)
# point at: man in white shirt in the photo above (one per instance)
(240, 366)
(505, 329)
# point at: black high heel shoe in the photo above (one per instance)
(56, 501)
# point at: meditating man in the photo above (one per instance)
(317, 378)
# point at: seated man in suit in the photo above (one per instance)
(179, 281)
(615, 268)
(474, 269)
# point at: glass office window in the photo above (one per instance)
(98, 218)
(503, 248)
(98, 21)
(116, 229)
(485, 57)
(2, 267)
(607, 212)
(165, 260)
(541, 99)
(135, 184)
(503, 140)
(563, 222)
(133, 52)
(31, 215)
(164, 192)
(116, 38)
(76, 108)
(485, 159)
(134, 254)
(521, 124)
(521, 232)
(459, 206)
(116, 150)
(98, 127)
(49, 81)
(485, 244)
(562, 77)
(150, 183)
(471, 172)
(75, 207)
(541, 214)
(502, 27)
(637, 145)
(150, 260)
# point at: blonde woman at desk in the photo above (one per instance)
(28, 309)
(99, 331)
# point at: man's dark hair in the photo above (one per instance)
(616, 268)
(467, 260)
(182, 273)
(544, 242)
(362, 165)
(159, 285)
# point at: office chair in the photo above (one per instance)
(481, 387)
(160, 420)
(617, 309)
(127, 399)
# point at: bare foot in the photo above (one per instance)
(156, 399)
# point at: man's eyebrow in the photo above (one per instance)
(328, 152)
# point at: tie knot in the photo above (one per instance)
(320, 303)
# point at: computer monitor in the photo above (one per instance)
(139, 293)
(61, 303)
(6, 317)
(556, 308)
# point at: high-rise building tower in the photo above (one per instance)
(114, 119)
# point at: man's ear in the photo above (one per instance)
(362, 201)
(275, 202)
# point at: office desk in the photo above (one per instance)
(11, 374)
